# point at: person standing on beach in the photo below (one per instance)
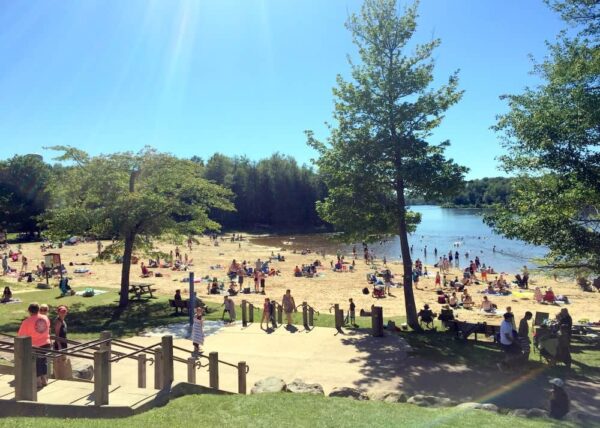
(263, 279)
(289, 306)
(352, 312)
(256, 280)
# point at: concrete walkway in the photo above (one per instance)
(319, 355)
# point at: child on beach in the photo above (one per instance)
(263, 278)
(352, 312)
(198, 331)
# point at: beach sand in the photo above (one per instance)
(321, 292)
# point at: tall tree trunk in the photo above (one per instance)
(124, 299)
(409, 297)
(128, 251)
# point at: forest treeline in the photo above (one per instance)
(272, 194)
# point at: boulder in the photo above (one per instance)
(348, 393)
(388, 396)
(269, 384)
(537, 413)
(82, 369)
(298, 386)
(529, 413)
(430, 401)
(479, 406)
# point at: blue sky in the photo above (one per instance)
(242, 77)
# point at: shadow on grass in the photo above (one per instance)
(440, 365)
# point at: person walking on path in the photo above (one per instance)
(266, 315)
(198, 331)
(289, 306)
(229, 308)
(37, 327)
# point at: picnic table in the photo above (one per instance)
(137, 290)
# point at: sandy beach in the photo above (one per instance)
(321, 291)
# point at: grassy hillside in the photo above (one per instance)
(287, 410)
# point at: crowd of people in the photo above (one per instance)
(38, 326)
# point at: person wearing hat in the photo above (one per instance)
(559, 400)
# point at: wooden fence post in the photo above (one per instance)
(251, 312)
(158, 369)
(213, 369)
(305, 315)
(101, 380)
(244, 313)
(242, 377)
(311, 317)
(377, 321)
(107, 347)
(191, 370)
(25, 371)
(167, 351)
(142, 371)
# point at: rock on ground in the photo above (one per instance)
(388, 396)
(348, 393)
(530, 413)
(269, 384)
(430, 401)
(298, 386)
(82, 370)
(479, 406)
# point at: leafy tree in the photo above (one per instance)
(23, 195)
(552, 134)
(134, 197)
(378, 153)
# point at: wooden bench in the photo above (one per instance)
(463, 329)
(179, 305)
(138, 290)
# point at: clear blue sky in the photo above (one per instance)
(236, 76)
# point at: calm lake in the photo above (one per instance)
(447, 229)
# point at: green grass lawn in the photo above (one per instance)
(290, 410)
(88, 316)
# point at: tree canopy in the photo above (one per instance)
(378, 152)
(23, 195)
(552, 134)
(134, 197)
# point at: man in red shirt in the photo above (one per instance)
(38, 328)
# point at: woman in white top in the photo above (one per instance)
(198, 331)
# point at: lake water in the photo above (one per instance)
(440, 228)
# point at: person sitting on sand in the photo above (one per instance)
(297, 271)
(549, 297)
(487, 305)
(145, 271)
(453, 301)
(214, 287)
(537, 295)
(467, 300)
(232, 291)
(6, 295)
